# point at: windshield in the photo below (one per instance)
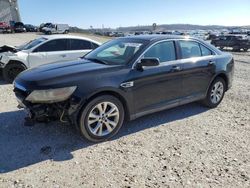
(31, 44)
(119, 51)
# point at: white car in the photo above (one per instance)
(43, 50)
(56, 29)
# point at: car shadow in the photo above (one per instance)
(21, 146)
(2, 82)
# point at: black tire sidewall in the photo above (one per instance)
(7, 68)
(208, 101)
(82, 123)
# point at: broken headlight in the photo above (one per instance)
(51, 95)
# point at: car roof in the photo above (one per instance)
(232, 35)
(51, 37)
(159, 37)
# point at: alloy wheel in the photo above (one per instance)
(103, 119)
(217, 92)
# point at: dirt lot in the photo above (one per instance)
(188, 146)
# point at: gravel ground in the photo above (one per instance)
(188, 146)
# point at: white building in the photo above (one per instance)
(9, 11)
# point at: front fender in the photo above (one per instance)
(125, 97)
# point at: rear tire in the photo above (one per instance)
(11, 71)
(215, 93)
(101, 118)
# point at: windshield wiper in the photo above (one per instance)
(97, 60)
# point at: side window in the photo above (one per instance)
(165, 51)
(94, 45)
(53, 45)
(205, 51)
(77, 44)
(189, 49)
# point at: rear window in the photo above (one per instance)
(94, 45)
(205, 51)
(77, 44)
(190, 49)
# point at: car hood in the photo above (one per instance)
(62, 74)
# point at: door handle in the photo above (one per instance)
(64, 55)
(176, 68)
(211, 62)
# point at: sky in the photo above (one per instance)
(121, 13)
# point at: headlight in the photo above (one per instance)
(51, 95)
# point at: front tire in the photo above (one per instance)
(11, 71)
(215, 93)
(101, 118)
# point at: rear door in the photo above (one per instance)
(79, 48)
(49, 52)
(198, 68)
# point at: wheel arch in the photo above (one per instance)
(16, 61)
(116, 94)
(223, 75)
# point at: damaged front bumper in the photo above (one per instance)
(65, 111)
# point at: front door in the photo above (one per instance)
(156, 87)
(49, 52)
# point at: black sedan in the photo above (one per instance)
(19, 27)
(30, 28)
(124, 79)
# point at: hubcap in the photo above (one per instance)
(103, 119)
(217, 92)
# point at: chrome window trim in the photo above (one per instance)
(172, 40)
(145, 51)
(200, 43)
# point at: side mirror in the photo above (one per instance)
(147, 62)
